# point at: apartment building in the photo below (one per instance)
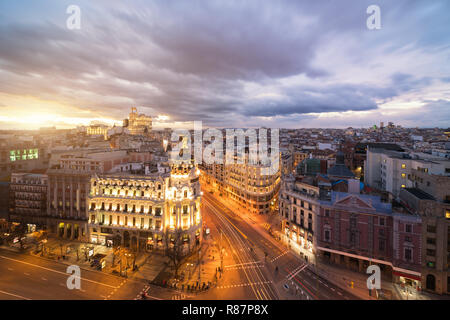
(21, 156)
(28, 200)
(286, 163)
(299, 156)
(388, 170)
(298, 204)
(214, 175)
(435, 215)
(251, 187)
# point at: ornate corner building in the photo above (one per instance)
(145, 211)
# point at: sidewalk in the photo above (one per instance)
(195, 277)
(343, 278)
(409, 293)
(74, 253)
(149, 265)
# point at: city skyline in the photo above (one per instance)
(284, 65)
(226, 154)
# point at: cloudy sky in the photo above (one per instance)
(227, 63)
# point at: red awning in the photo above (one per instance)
(406, 275)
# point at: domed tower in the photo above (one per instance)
(184, 199)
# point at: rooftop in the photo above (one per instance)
(420, 194)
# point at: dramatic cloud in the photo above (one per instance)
(227, 63)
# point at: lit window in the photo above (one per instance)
(403, 186)
(447, 214)
(403, 175)
(403, 166)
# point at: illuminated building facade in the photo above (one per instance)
(23, 154)
(97, 130)
(138, 124)
(139, 211)
(298, 211)
(249, 187)
(246, 184)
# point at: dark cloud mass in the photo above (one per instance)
(200, 60)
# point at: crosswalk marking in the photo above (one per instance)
(296, 271)
(243, 285)
(246, 267)
(279, 256)
(242, 264)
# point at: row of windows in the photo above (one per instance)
(126, 183)
(126, 208)
(125, 221)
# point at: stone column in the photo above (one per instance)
(64, 196)
(78, 206)
(49, 198)
(71, 197)
(55, 196)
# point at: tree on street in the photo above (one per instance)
(174, 248)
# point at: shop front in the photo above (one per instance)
(407, 280)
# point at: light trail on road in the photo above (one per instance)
(237, 239)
